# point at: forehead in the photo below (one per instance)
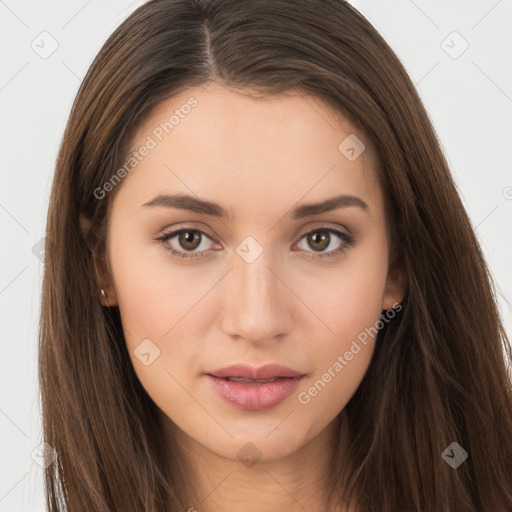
(216, 142)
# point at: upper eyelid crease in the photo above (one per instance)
(196, 205)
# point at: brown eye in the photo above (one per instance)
(189, 240)
(186, 244)
(318, 242)
(321, 238)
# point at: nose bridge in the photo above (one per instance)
(256, 307)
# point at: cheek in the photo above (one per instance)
(159, 301)
(152, 291)
(349, 302)
(350, 297)
(151, 304)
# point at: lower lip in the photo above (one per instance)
(254, 397)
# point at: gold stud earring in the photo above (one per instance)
(104, 294)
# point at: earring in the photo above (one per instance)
(104, 294)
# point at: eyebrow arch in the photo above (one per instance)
(194, 204)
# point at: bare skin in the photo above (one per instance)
(259, 160)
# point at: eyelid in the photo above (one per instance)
(171, 233)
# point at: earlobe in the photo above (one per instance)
(106, 300)
(394, 291)
(85, 224)
(106, 291)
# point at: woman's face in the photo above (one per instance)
(266, 284)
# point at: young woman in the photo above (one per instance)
(261, 288)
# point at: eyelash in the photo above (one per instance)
(345, 237)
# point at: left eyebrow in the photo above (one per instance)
(194, 204)
(333, 203)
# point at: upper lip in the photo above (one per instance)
(267, 371)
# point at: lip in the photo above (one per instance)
(267, 371)
(257, 395)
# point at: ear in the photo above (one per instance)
(102, 275)
(394, 290)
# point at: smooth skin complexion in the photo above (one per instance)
(258, 160)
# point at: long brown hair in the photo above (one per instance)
(439, 371)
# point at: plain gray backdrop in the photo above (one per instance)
(458, 53)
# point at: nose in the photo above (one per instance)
(258, 306)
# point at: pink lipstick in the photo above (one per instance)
(254, 389)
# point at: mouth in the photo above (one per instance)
(251, 381)
(254, 389)
(244, 371)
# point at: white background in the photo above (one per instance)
(469, 99)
